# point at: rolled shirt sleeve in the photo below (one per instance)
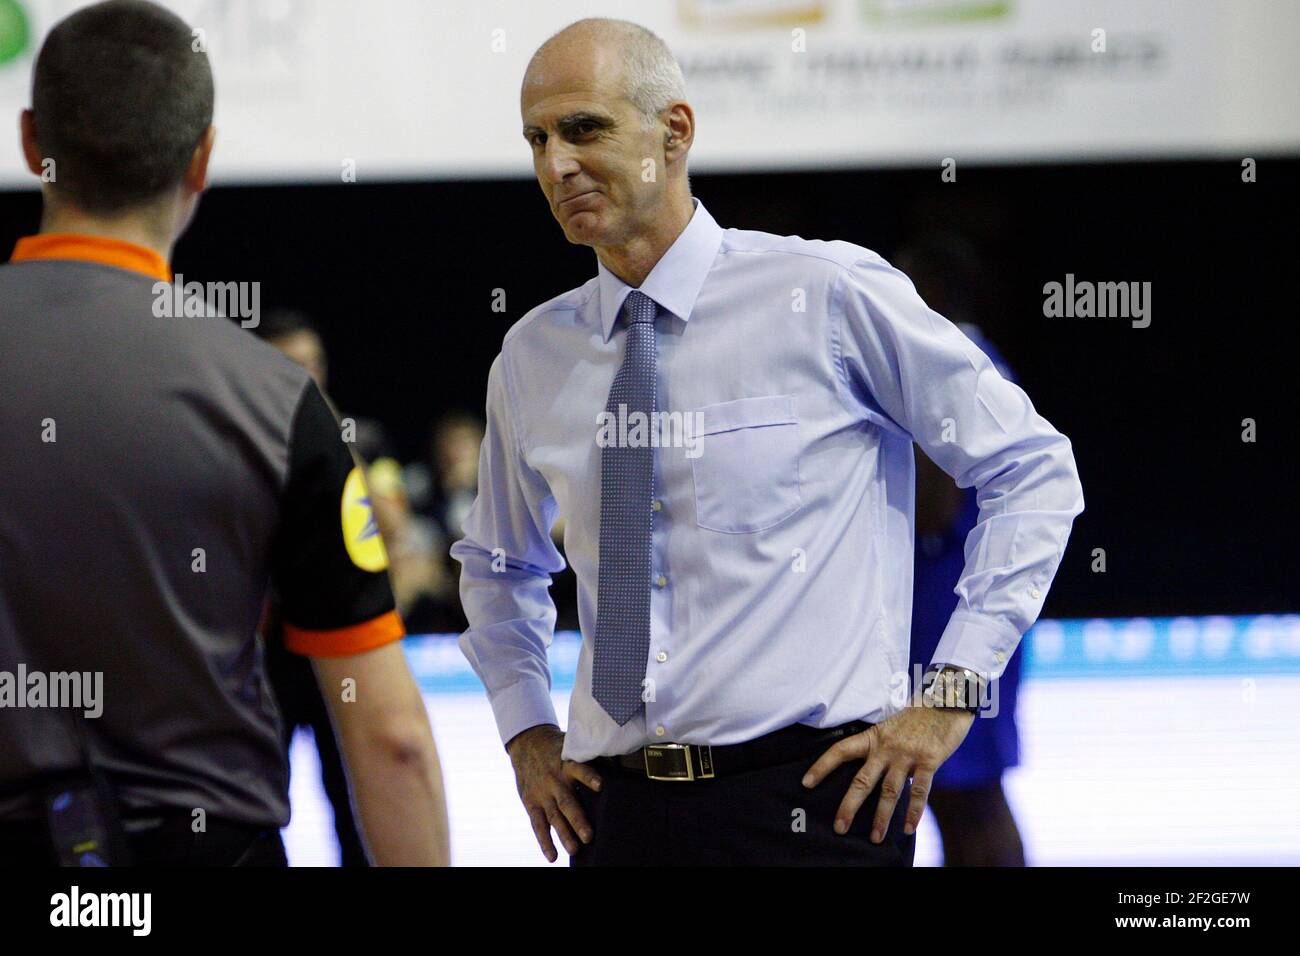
(912, 372)
(507, 558)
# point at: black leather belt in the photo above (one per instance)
(702, 762)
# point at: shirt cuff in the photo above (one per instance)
(525, 703)
(978, 643)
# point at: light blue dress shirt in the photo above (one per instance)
(782, 548)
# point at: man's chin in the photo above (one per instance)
(583, 229)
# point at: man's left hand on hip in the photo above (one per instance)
(915, 741)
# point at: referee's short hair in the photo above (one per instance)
(121, 97)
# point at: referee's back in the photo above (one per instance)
(159, 473)
(145, 471)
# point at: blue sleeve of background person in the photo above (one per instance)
(993, 744)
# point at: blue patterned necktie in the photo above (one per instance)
(626, 518)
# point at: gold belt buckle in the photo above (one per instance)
(659, 766)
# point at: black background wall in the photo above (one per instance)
(1193, 520)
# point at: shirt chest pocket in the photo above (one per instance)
(747, 470)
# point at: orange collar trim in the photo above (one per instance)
(110, 252)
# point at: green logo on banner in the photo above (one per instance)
(910, 12)
(14, 34)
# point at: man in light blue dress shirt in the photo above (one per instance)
(788, 379)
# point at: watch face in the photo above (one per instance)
(953, 691)
(941, 691)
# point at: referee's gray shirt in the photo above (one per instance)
(156, 474)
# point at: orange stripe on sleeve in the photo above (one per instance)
(345, 641)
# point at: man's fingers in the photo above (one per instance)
(561, 827)
(922, 781)
(542, 830)
(572, 811)
(891, 788)
(582, 773)
(850, 748)
(860, 787)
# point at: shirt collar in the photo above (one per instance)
(110, 252)
(676, 279)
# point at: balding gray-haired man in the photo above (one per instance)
(742, 540)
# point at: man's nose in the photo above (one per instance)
(559, 162)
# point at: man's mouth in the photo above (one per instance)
(589, 192)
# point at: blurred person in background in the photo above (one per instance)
(297, 336)
(453, 456)
(453, 453)
(159, 473)
(423, 586)
(970, 807)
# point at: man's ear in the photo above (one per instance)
(196, 177)
(27, 136)
(680, 120)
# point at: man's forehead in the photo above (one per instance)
(588, 73)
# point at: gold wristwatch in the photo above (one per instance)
(953, 688)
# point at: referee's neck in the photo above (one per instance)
(148, 227)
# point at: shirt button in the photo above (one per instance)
(1001, 656)
(661, 582)
(656, 505)
(661, 656)
(659, 731)
(1033, 593)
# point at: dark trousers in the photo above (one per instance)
(224, 844)
(763, 817)
(169, 843)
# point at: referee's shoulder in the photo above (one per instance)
(248, 364)
(235, 339)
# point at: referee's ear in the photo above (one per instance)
(196, 176)
(27, 136)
